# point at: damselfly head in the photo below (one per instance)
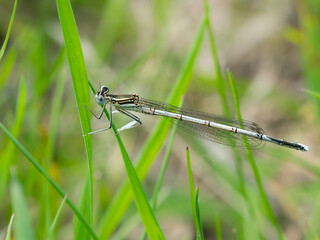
(100, 99)
(100, 96)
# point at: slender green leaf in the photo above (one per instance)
(309, 39)
(163, 168)
(49, 148)
(7, 67)
(313, 93)
(218, 227)
(23, 228)
(54, 117)
(194, 200)
(80, 84)
(3, 48)
(214, 54)
(226, 111)
(151, 225)
(164, 163)
(54, 223)
(84, 206)
(7, 156)
(191, 185)
(198, 218)
(312, 228)
(8, 235)
(254, 165)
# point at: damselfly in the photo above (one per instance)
(224, 130)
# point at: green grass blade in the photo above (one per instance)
(8, 154)
(226, 111)
(7, 67)
(54, 223)
(194, 200)
(49, 179)
(308, 39)
(313, 93)
(163, 169)
(23, 228)
(218, 228)
(312, 228)
(84, 205)
(80, 84)
(47, 202)
(150, 223)
(164, 163)
(121, 201)
(55, 111)
(254, 165)
(8, 235)
(191, 186)
(198, 218)
(54, 117)
(214, 54)
(4, 45)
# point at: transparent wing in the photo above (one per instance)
(210, 133)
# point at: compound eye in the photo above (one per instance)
(100, 99)
(104, 89)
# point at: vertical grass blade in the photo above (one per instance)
(54, 223)
(218, 228)
(164, 163)
(23, 228)
(254, 167)
(80, 85)
(8, 235)
(4, 45)
(214, 54)
(191, 185)
(223, 98)
(121, 201)
(194, 201)
(7, 68)
(149, 221)
(198, 218)
(49, 150)
(163, 169)
(8, 154)
(226, 111)
(313, 93)
(309, 43)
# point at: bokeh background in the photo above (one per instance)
(272, 49)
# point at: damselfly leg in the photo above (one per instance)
(136, 121)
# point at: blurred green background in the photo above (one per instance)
(272, 49)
